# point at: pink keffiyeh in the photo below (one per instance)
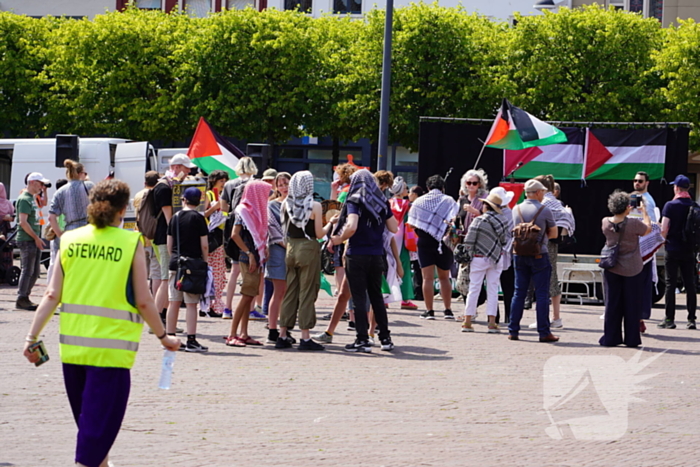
(253, 213)
(5, 204)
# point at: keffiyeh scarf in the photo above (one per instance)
(431, 213)
(562, 217)
(487, 236)
(253, 213)
(300, 199)
(365, 193)
(275, 232)
(398, 187)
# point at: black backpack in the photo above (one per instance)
(691, 230)
(230, 246)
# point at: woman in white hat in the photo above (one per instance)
(485, 242)
(508, 273)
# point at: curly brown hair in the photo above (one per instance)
(344, 172)
(384, 178)
(107, 199)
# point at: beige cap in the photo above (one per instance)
(533, 185)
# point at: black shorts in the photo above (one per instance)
(428, 254)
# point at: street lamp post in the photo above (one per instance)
(386, 88)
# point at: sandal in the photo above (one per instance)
(250, 341)
(235, 342)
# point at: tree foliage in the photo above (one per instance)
(251, 74)
(585, 64)
(679, 61)
(22, 57)
(271, 75)
(115, 75)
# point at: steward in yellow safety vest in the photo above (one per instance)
(100, 325)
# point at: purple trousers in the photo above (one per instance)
(98, 398)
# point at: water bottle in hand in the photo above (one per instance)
(166, 372)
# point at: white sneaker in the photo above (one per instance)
(370, 340)
(602, 316)
(533, 325)
(557, 324)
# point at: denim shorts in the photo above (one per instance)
(276, 268)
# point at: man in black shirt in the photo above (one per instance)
(180, 166)
(679, 253)
(187, 236)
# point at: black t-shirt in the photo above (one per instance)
(162, 196)
(677, 213)
(192, 228)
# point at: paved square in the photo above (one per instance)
(442, 397)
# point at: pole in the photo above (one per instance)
(480, 153)
(386, 88)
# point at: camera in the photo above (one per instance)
(47, 185)
(635, 200)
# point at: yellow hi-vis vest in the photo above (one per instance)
(99, 327)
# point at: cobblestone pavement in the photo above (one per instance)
(442, 397)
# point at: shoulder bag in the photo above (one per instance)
(608, 256)
(192, 273)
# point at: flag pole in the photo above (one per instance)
(480, 153)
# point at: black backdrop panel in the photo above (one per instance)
(444, 145)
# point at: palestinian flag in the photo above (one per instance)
(619, 154)
(514, 128)
(210, 151)
(564, 161)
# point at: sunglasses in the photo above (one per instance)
(471, 183)
(639, 181)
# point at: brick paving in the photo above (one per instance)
(442, 397)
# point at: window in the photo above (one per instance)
(149, 4)
(197, 8)
(347, 6)
(648, 8)
(304, 6)
(239, 4)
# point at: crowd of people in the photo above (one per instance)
(390, 243)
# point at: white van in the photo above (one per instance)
(101, 157)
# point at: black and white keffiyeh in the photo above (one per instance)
(431, 213)
(562, 216)
(300, 199)
(274, 231)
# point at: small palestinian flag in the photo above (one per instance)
(514, 128)
(612, 154)
(564, 160)
(210, 151)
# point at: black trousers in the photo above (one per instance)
(685, 262)
(364, 273)
(623, 307)
(508, 288)
(417, 280)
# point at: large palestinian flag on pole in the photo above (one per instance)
(210, 151)
(514, 128)
(564, 161)
(612, 154)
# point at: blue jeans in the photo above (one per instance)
(537, 269)
(30, 261)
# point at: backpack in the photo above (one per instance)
(230, 246)
(691, 230)
(526, 236)
(146, 217)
